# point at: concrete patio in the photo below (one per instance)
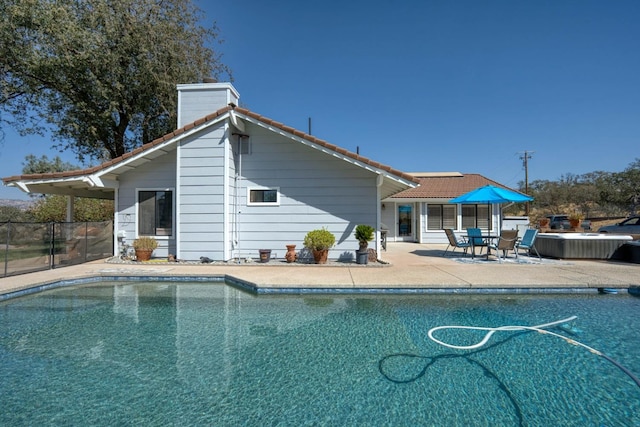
(410, 266)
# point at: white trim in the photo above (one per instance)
(239, 124)
(116, 223)
(250, 203)
(162, 146)
(219, 85)
(226, 182)
(177, 205)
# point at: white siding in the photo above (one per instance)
(316, 190)
(159, 174)
(195, 101)
(201, 195)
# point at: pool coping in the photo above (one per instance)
(255, 289)
(409, 268)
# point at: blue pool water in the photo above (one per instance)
(210, 354)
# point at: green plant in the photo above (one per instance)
(145, 243)
(319, 240)
(364, 234)
(576, 216)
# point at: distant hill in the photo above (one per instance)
(20, 204)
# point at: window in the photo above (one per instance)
(440, 217)
(155, 213)
(475, 216)
(264, 196)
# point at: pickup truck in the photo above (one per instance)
(561, 222)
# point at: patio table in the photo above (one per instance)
(486, 238)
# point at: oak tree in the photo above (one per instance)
(100, 75)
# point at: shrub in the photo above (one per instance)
(319, 239)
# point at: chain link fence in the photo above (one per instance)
(28, 246)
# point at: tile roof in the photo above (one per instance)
(445, 186)
(199, 122)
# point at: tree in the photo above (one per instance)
(33, 164)
(54, 207)
(100, 75)
(14, 214)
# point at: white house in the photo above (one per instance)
(229, 182)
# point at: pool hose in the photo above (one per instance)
(537, 328)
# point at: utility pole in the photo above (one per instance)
(525, 162)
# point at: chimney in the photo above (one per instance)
(197, 100)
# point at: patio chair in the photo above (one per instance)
(528, 242)
(475, 239)
(506, 242)
(455, 242)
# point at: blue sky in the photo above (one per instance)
(429, 85)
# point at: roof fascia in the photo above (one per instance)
(96, 180)
(113, 169)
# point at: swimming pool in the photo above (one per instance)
(210, 354)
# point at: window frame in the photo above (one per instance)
(275, 203)
(442, 216)
(139, 212)
(476, 206)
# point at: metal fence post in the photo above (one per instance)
(52, 245)
(6, 250)
(86, 240)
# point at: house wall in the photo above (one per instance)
(439, 236)
(157, 175)
(316, 190)
(201, 194)
(210, 181)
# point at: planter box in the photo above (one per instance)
(579, 245)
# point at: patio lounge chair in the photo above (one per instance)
(455, 242)
(475, 238)
(506, 242)
(528, 242)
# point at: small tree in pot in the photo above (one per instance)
(364, 234)
(144, 247)
(319, 242)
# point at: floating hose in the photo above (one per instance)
(538, 328)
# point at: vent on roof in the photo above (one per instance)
(209, 80)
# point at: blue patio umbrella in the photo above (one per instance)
(491, 194)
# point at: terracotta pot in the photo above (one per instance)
(575, 223)
(291, 256)
(320, 257)
(143, 254)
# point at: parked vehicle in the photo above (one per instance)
(628, 226)
(561, 222)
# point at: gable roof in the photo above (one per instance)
(95, 181)
(445, 185)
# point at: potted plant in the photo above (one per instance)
(319, 242)
(575, 219)
(364, 234)
(144, 247)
